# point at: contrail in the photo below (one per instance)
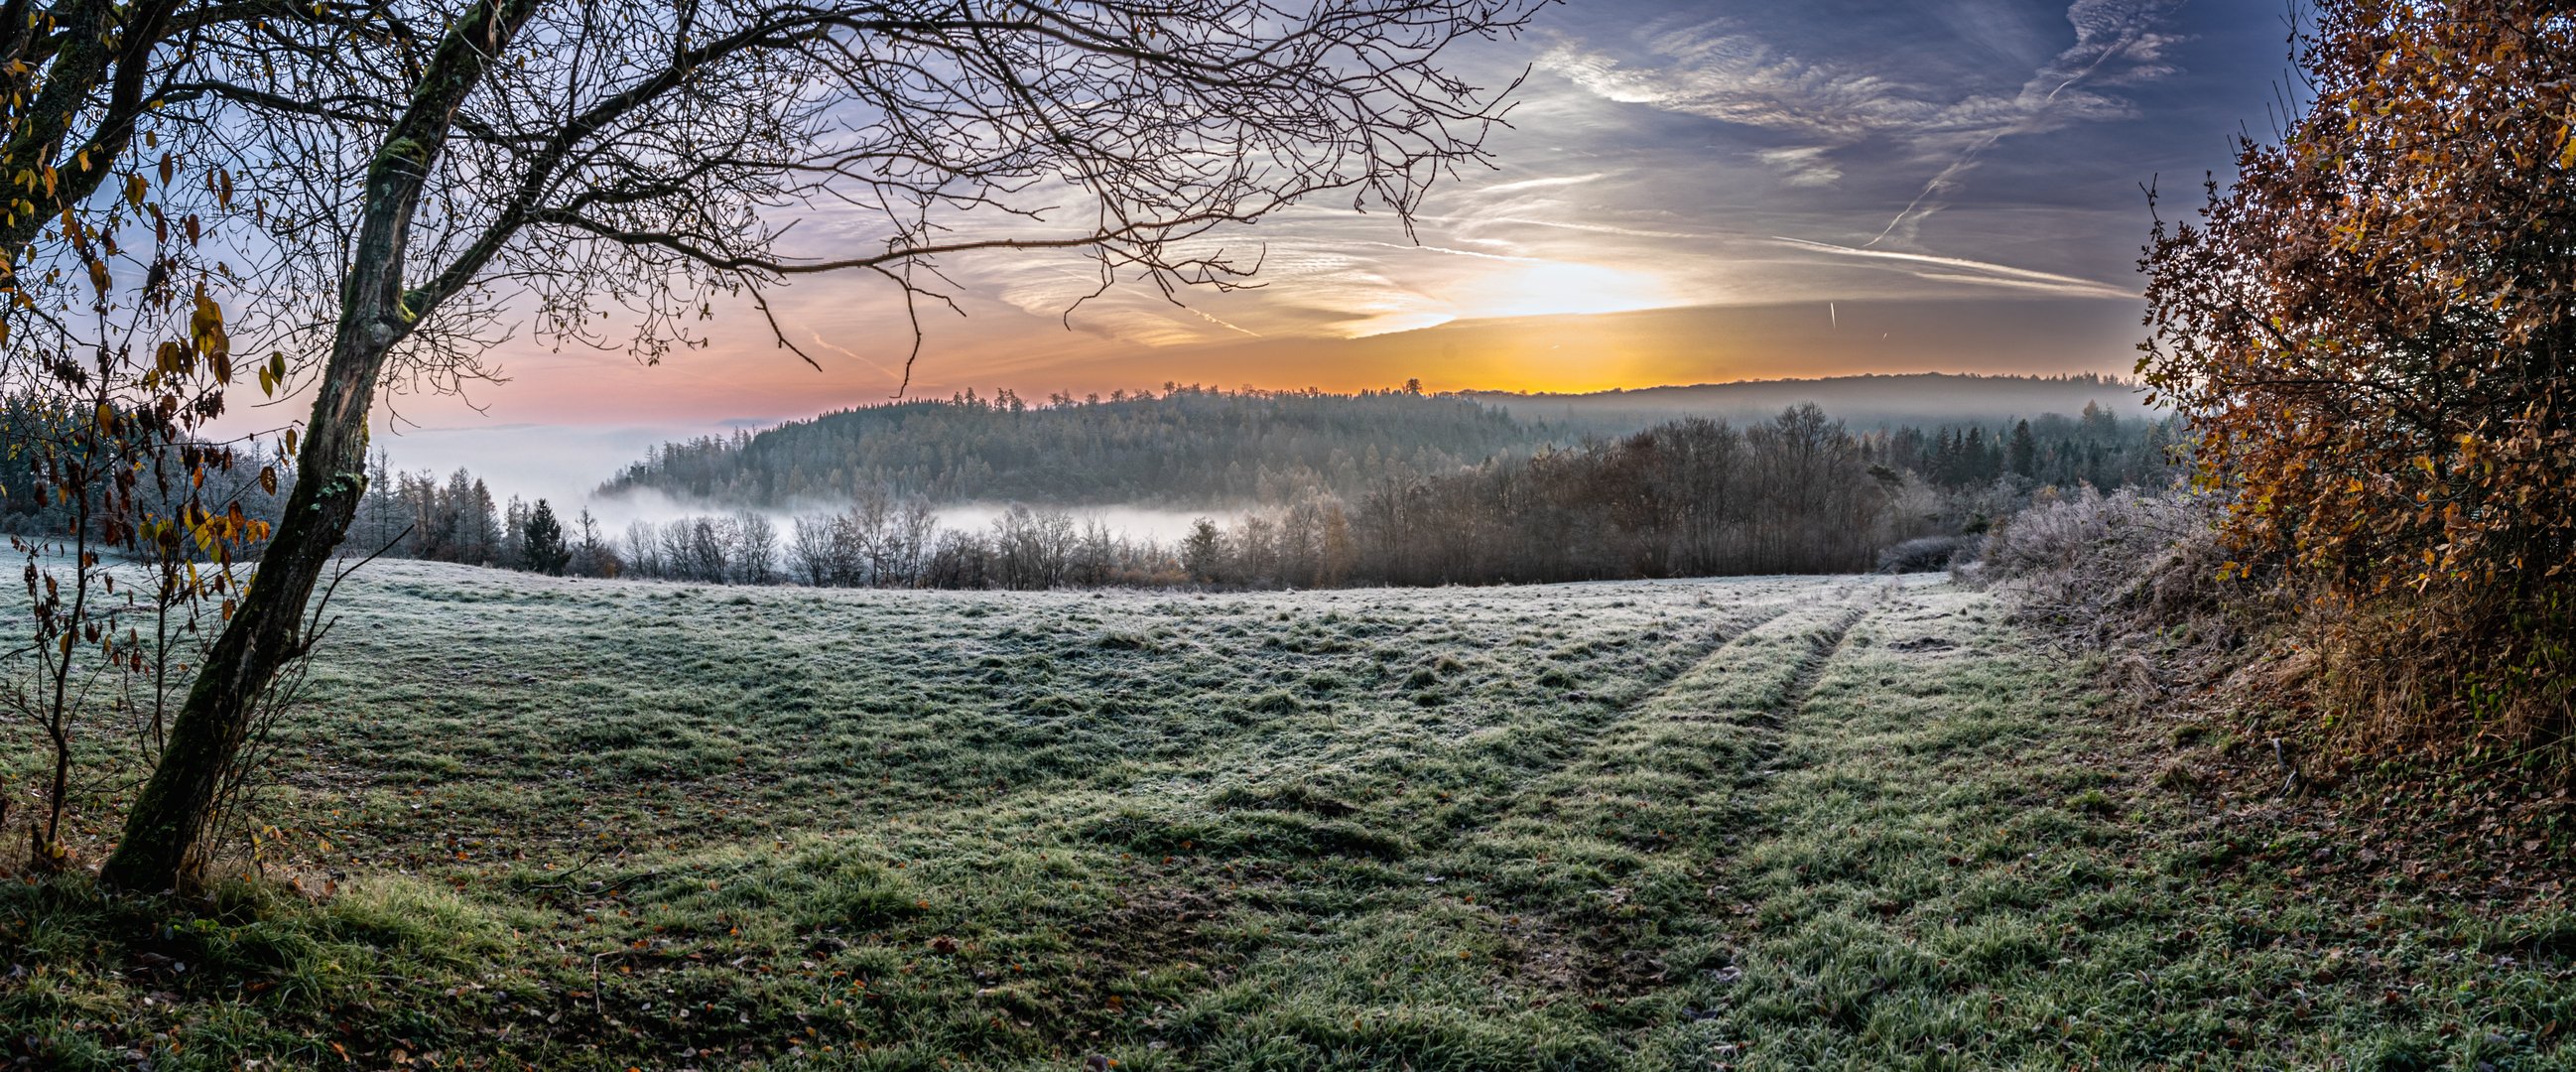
(1985, 272)
(1967, 158)
(852, 354)
(1203, 315)
(1533, 184)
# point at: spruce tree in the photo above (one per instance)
(544, 541)
(2022, 458)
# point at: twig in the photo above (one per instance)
(596, 1009)
(314, 626)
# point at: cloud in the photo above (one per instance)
(1944, 116)
(1204, 315)
(1067, 290)
(1713, 71)
(1803, 167)
(1719, 70)
(1446, 251)
(1595, 228)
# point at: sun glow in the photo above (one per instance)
(1550, 288)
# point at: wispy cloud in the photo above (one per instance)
(1712, 70)
(1943, 118)
(818, 340)
(2116, 43)
(1595, 228)
(1807, 166)
(1720, 70)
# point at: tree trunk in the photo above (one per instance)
(266, 630)
(267, 627)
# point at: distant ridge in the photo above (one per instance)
(1196, 445)
(1864, 401)
(1186, 445)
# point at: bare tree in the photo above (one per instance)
(907, 543)
(676, 553)
(814, 549)
(755, 548)
(592, 554)
(644, 549)
(706, 549)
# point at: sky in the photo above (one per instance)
(1690, 192)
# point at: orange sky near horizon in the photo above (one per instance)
(750, 382)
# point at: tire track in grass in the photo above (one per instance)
(1767, 696)
(1827, 645)
(1537, 792)
(1965, 865)
(1772, 722)
(1508, 757)
(1589, 730)
(1584, 729)
(1715, 752)
(1431, 924)
(1362, 903)
(1600, 871)
(1824, 893)
(1736, 675)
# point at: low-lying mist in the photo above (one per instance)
(615, 513)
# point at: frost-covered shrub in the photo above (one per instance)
(2109, 565)
(1928, 554)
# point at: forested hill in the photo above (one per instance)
(1194, 447)
(1922, 399)
(1186, 445)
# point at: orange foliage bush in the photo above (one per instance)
(2372, 331)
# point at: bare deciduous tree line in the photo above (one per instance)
(889, 541)
(1800, 493)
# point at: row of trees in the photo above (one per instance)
(882, 540)
(1797, 494)
(1311, 544)
(2095, 448)
(887, 541)
(455, 519)
(1800, 493)
(1694, 497)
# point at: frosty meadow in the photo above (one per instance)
(1768, 822)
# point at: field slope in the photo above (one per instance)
(1786, 823)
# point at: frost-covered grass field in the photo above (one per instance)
(1780, 823)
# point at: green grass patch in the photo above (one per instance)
(1781, 823)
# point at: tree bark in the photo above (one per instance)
(168, 822)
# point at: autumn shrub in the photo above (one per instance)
(2370, 333)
